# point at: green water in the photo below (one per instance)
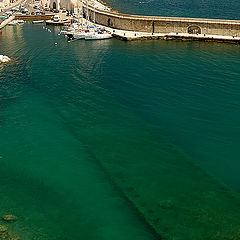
(108, 139)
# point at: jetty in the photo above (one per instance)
(5, 22)
(135, 27)
(34, 17)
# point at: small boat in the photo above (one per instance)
(50, 22)
(20, 21)
(13, 23)
(66, 20)
(82, 34)
(55, 21)
(38, 21)
(98, 36)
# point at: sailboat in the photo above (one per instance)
(98, 34)
(87, 32)
(77, 30)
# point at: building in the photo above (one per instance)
(69, 5)
(4, 4)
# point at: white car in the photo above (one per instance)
(17, 13)
(25, 10)
(14, 9)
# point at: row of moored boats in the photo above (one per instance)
(16, 22)
(78, 31)
(87, 32)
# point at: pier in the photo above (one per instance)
(5, 22)
(34, 17)
(134, 27)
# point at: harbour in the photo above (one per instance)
(133, 27)
(118, 139)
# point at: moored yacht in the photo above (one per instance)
(99, 35)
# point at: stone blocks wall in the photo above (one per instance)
(164, 25)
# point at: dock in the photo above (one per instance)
(131, 36)
(34, 17)
(135, 27)
(5, 22)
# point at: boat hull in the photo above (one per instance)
(37, 22)
(49, 22)
(98, 36)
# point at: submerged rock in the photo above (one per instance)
(7, 235)
(3, 233)
(3, 229)
(9, 218)
(4, 59)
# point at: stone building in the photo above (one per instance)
(4, 4)
(70, 5)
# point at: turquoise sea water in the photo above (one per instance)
(218, 9)
(119, 140)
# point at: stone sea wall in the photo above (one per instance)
(151, 24)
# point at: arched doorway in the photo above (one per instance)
(194, 30)
(54, 5)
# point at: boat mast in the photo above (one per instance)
(87, 13)
(81, 12)
(94, 15)
(78, 12)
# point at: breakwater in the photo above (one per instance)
(193, 27)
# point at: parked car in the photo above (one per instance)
(17, 13)
(5, 15)
(25, 11)
(47, 9)
(32, 13)
(64, 10)
(14, 9)
(55, 10)
(9, 13)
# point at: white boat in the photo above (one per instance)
(79, 35)
(37, 21)
(83, 34)
(75, 34)
(20, 21)
(4, 59)
(56, 18)
(14, 22)
(98, 36)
